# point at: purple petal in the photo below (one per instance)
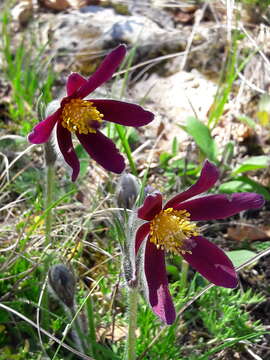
(209, 176)
(211, 262)
(157, 282)
(104, 71)
(103, 151)
(67, 150)
(74, 82)
(141, 234)
(42, 131)
(213, 207)
(123, 113)
(152, 206)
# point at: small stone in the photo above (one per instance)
(22, 12)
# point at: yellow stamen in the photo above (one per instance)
(78, 116)
(170, 228)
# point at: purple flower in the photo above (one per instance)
(172, 228)
(84, 118)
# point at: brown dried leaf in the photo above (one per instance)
(56, 4)
(183, 17)
(248, 232)
(161, 129)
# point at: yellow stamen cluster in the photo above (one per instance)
(78, 116)
(170, 228)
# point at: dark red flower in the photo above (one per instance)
(84, 118)
(172, 228)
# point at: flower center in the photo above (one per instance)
(80, 115)
(171, 228)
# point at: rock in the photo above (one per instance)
(173, 99)
(80, 37)
(85, 34)
(175, 93)
(22, 12)
(152, 11)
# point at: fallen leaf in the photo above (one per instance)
(183, 17)
(248, 232)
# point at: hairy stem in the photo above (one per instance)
(48, 201)
(50, 158)
(131, 339)
(79, 337)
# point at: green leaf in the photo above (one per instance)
(183, 168)
(173, 271)
(239, 257)
(228, 153)
(202, 136)
(84, 159)
(164, 159)
(175, 146)
(252, 163)
(243, 184)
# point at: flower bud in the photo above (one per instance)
(128, 190)
(149, 190)
(62, 282)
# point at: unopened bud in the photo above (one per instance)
(62, 282)
(149, 190)
(128, 190)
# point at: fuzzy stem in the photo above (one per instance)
(131, 339)
(48, 201)
(184, 272)
(50, 158)
(79, 338)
